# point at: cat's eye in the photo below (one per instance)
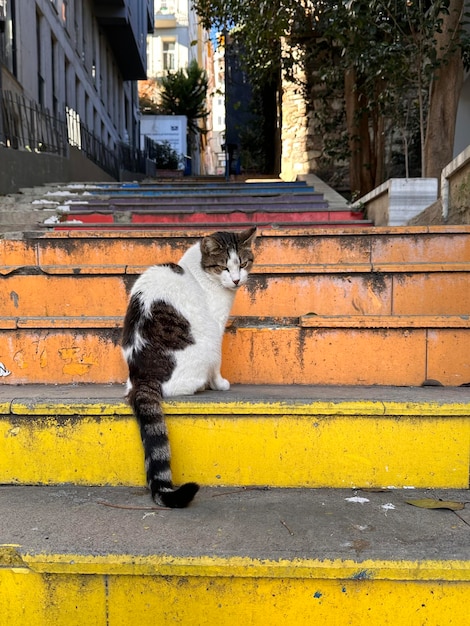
(243, 263)
(220, 268)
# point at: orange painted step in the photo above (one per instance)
(289, 290)
(378, 249)
(371, 295)
(339, 350)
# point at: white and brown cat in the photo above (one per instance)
(172, 341)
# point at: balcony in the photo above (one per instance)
(165, 14)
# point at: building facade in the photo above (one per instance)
(80, 58)
(176, 41)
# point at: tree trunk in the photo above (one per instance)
(444, 96)
(361, 179)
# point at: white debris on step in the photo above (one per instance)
(53, 219)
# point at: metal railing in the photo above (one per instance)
(80, 137)
(25, 125)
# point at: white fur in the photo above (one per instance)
(205, 300)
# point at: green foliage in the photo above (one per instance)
(166, 157)
(184, 93)
(392, 47)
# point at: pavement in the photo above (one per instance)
(262, 524)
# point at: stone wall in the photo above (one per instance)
(302, 141)
(299, 155)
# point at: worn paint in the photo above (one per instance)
(340, 276)
(295, 290)
(119, 590)
(77, 361)
(213, 448)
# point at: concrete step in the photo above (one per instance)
(344, 350)
(210, 202)
(281, 436)
(109, 224)
(375, 250)
(191, 183)
(181, 187)
(105, 557)
(386, 307)
(188, 198)
(272, 291)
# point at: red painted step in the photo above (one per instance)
(202, 217)
(206, 226)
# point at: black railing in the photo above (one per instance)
(26, 125)
(80, 137)
(132, 159)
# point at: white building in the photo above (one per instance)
(178, 39)
(218, 108)
(169, 47)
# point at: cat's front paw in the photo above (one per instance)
(220, 384)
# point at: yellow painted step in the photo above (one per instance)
(313, 349)
(103, 557)
(279, 436)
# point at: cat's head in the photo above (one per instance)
(228, 257)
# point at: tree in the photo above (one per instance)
(446, 84)
(393, 65)
(184, 93)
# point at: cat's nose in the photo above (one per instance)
(235, 281)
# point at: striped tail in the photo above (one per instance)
(145, 400)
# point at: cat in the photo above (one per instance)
(172, 341)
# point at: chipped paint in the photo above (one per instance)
(363, 574)
(424, 452)
(19, 359)
(114, 589)
(78, 362)
(14, 298)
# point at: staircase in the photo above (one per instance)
(349, 356)
(269, 204)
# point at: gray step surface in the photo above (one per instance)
(264, 524)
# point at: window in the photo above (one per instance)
(7, 35)
(166, 7)
(169, 54)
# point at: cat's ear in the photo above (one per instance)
(210, 245)
(246, 237)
